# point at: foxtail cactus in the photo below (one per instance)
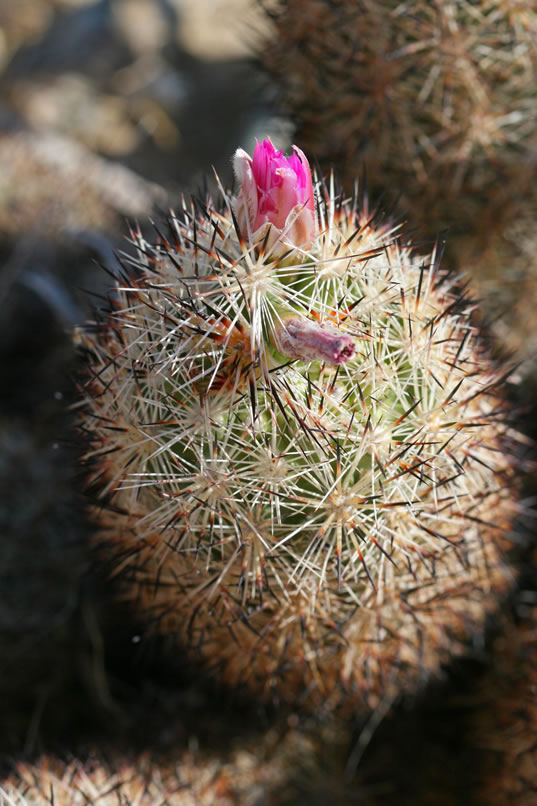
(299, 444)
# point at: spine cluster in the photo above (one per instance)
(310, 527)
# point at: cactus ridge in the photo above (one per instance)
(305, 529)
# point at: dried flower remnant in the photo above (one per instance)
(309, 341)
(326, 527)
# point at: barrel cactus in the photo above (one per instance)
(303, 461)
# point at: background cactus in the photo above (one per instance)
(435, 103)
(505, 712)
(306, 529)
(505, 271)
(54, 783)
(275, 767)
(437, 100)
(243, 779)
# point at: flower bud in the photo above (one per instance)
(275, 195)
(298, 337)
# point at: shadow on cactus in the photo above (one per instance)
(298, 442)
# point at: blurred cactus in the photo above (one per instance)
(52, 184)
(505, 272)
(52, 782)
(505, 720)
(437, 100)
(310, 531)
(280, 767)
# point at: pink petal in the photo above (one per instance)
(275, 190)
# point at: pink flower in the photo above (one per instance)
(301, 338)
(275, 193)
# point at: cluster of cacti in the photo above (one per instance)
(436, 100)
(298, 443)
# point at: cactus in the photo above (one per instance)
(504, 718)
(437, 100)
(301, 454)
(504, 268)
(191, 782)
(283, 766)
